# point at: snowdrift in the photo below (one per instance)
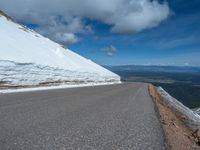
(192, 117)
(28, 58)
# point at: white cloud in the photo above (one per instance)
(124, 16)
(65, 38)
(147, 15)
(110, 50)
(177, 42)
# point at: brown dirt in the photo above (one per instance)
(45, 84)
(42, 84)
(178, 135)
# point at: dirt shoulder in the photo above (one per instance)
(178, 135)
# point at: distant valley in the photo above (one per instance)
(182, 83)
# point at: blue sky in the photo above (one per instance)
(176, 41)
(111, 33)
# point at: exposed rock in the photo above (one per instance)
(196, 135)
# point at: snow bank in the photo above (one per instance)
(192, 117)
(29, 74)
(27, 58)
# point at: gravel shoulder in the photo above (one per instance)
(178, 135)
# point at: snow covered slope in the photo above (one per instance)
(27, 58)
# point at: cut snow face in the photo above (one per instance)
(27, 58)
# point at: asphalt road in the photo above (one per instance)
(89, 118)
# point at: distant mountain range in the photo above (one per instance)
(138, 68)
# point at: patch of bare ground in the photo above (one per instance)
(8, 17)
(42, 84)
(178, 135)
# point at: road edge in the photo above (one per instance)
(177, 134)
(156, 108)
(61, 86)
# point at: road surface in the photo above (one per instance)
(103, 117)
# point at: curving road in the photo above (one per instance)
(103, 117)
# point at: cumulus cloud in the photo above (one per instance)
(67, 16)
(65, 38)
(63, 31)
(110, 50)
